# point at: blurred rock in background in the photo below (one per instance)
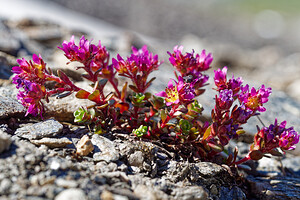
(259, 40)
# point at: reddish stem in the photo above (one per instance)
(246, 158)
(151, 114)
(171, 114)
(58, 80)
(58, 90)
(115, 87)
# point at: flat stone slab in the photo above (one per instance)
(48, 128)
(104, 149)
(52, 142)
(10, 108)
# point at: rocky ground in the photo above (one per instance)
(38, 158)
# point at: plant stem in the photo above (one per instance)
(170, 116)
(115, 87)
(246, 158)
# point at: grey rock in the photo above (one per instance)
(5, 186)
(270, 166)
(66, 183)
(48, 128)
(52, 142)
(136, 159)
(235, 192)
(103, 167)
(10, 91)
(6, 65)
(209, 169)
(279, 187)
(10, 108)
(58, 163)
(5, 141)
(292, 163)
(205, 173)
(45, 34)
(63, 109)
(8, 43)
(189, 193)
(104, 149)
(149, 193)
(72, 193)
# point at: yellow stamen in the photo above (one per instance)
(253, 102)
(172, 94)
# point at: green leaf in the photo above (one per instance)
(101, 84)
(124, 91)
(256, 155)
(163, 115)
(207, 133)
(149, 82)
(215, 147)
(82, 94)
(185, 125)
(139, 132)
(157, 102)
(241, 131)
(133, 88)
(275, 152)
(82, 115)
(95, 96)
(102, 106)
(99, 130)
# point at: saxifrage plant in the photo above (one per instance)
(173, 116)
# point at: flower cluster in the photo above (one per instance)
(173, 115)
(30, 76)
(31, 97)
(191, 66)
(34, 70)
(227, 119)
(94, 58)
(269, 139)
(137, 67)
(188, 63)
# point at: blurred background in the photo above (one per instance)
(259, 40)
(251, 23)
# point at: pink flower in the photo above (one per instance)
(288, 139)
(140, 61)
(274, 136)
(31, 98)
(95, 58)
(34, 71)
(79, 53)
(188, 63)
(241, 116)
(254, 99)
(85, 51)
(226, 95)
(180, 93)
(221, 78)
(221, 82)
(203, 61)
(137, 67)
(100, 58)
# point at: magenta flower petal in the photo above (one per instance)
(189, 63)
(161, 94)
